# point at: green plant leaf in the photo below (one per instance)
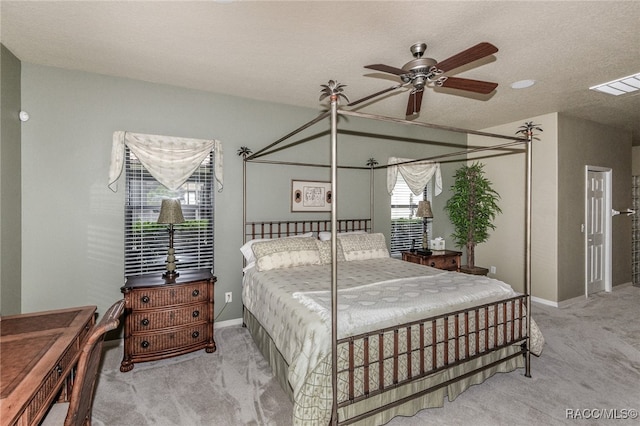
(472, 208)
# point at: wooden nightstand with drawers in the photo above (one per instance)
(167, 317)
(442, 259)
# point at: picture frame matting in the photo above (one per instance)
(310, 196)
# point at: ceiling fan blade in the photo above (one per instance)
(386, 68)
(419, 94)
(415, 101)
(474, 53)
(477, 86)
(366, 98)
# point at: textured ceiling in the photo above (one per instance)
(284, 51)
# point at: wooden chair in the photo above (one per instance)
(77, 411)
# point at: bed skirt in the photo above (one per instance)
(433, 399)
(278, 365)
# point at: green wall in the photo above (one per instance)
(72, 232)
(10, 205)
(584, 143)
(560, 154)
(505, 249)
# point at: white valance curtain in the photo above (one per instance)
(171, 160)
(416, 173)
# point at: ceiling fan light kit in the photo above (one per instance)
(423, 72)
(522, 84)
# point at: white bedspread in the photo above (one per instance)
(387, 289)
(385, 302)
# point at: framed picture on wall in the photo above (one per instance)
(310, 196)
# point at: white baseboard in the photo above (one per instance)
(544, 301)
(567, 302)
(227, 323)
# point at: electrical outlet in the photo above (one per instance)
(228, 297)
(492, 269)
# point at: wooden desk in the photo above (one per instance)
(39, 351)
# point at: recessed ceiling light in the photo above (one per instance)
(620, 86)
(522, 84)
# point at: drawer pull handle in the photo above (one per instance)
(453, 261)
(58, 369)
(145, 299)
(195, 293)
(144, 322)
(144, 344)
(433, 264)
(195, 334)
(196, 314)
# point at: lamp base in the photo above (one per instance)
(170, 275)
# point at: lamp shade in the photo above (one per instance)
(424, 210)
(170, 211)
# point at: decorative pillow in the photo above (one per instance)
(285, 253)
(248, 253)
(324, 248)
(326, 235)
(363, 246)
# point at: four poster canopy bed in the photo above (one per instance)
(356, 336)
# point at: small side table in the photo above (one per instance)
(166, 317)
(448, 260)
(476, 270)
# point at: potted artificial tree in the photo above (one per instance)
(472, 209)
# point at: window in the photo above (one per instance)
(405, 227)
(146, 242)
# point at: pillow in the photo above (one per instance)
(324, 248)
(285, 253)
(363, 246)
(248, 253)
(326, 235)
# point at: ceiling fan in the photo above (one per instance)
(421, 72)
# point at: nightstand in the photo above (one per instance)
(167, 317)
(442, 259)
(476, 270)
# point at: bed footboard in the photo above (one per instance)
(376, 362)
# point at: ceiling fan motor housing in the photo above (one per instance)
(420, 65)
(420, 71)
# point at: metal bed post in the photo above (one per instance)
(527, 278)
(244, 199)
(244, 152)
(371, 163)
(334, 258)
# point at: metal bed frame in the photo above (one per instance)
(468, 333)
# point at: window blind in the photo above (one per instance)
(405, 226)
(147, 242)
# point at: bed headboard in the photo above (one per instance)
(278, 229)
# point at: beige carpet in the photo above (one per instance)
(590, 367)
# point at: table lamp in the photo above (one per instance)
(170, 213)
(424, 211)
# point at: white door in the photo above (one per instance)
(598, 221)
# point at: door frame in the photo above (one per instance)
(608, 174)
